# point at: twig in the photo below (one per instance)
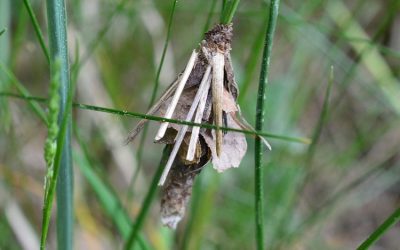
(178, 92)
(218, 61)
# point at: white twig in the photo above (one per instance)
(175, 98)
(181, 134)
(197, 119)
(218, 61)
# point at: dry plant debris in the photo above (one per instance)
(205, 92)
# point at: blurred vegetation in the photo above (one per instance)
(331, 194)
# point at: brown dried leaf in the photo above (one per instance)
(234, 147)
(230, 77)
(228, 103)
(169, 136)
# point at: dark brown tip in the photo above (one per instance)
(220, 37)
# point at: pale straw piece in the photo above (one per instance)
(175, 98)
(181, 134)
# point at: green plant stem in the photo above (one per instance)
(63, 175)
(162, 119)
(5, 20)
(228, 11)
(107, 197)
(147, 201)
(208, 20)
(36, 26)
(252, 63)
(378, 233)
(321, 121)
(260, 113)
(139, 155)
(24, 93)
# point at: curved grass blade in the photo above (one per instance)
(260, 113)
(380, 231)
(147, 201)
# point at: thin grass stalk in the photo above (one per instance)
(229, 10)
(19, 32)
(63, 175)
(139, 155)
(260, 113)
(100, 35)
(208, 20)
(381, 230)
(321, 121)
(147, 201)
(107, 197)
(162, 119)
(251, 63)
(324, 208)
(5, 19)
(24, 93)
(311, 151)
(36, 27)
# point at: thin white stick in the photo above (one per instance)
(218, 61)
(182, 131)
(175, 98)
(197, 119)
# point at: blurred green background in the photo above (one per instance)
(331, 194)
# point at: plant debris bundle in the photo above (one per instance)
(205, 92)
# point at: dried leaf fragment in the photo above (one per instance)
(234, 145)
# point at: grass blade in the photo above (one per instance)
(260, 113)
(378, 233)
(63, 176)
(34, 99)
(153, 97)
(38, 32)
(5, 19)
(147, 201)
(24, 92)
(107, 197)
(321, 120)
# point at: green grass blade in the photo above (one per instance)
(24, 92)
(100, 35)
(153, 98)
(321, 120)
(302, 140)
(208, 20)
(5, 19)
(147, 201)
(228, 11)
(49, 195)
(252, 63)
(63, 176)
(38, 32)
(260, 113)
(380, 231)
(107, 197)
